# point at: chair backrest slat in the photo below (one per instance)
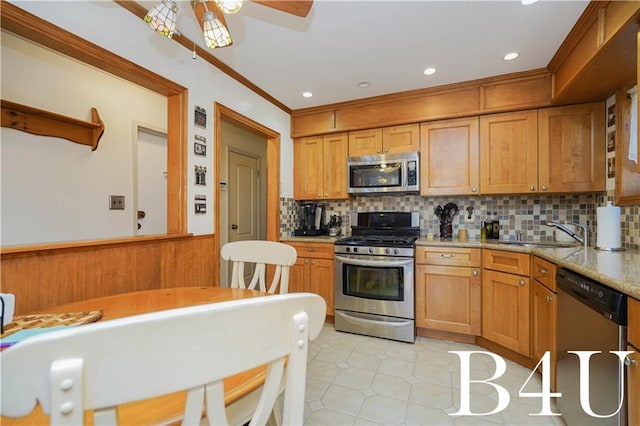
(260, 253)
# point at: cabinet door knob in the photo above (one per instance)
(475, 273)
(446, 255)
(310, 249)
(549, 299)
(542, 270)
(313, 262)
(319, 195)
(544, 187)
(532, 188)
(521, 282)
(306, 261)
(474, 189)
(326, 195)
(386, 150)
(628, 361)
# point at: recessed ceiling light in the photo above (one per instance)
(429, 71)
(528, 2)
(511, 56)
(307, 94)
(364, 84)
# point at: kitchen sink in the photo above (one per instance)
(543, 244)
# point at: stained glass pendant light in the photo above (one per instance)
(229, 6)
(215, 30)
(162, 18)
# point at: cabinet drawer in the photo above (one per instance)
(633, 319)
(316, 250)
(506, 261)
(544, 272)
(448, 256)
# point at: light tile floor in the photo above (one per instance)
(361, 380)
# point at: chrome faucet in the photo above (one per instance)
(584, 239)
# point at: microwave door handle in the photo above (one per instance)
(378, 262)
(404, 174)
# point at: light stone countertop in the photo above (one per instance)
(617, 269)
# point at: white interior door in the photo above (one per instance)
(244, 196)
(244, 193)
(151, 191)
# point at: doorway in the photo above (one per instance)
(255, 141)
(243, 202)
(150, 177)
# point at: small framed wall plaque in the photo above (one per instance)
(200, 175)
(200, 204)
(200, 149)
(200, 117)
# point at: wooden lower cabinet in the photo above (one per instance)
(447, 290)
(544, 313)
(544, 321)
(313, 271)
(633, 386)
(506, 303)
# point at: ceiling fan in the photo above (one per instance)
(210, 16)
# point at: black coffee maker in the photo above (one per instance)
(311, 220)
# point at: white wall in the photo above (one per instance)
(53, 189)
(108, 25)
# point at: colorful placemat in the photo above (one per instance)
(24, 322)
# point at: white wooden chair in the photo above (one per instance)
(260, 253)
(102, 365)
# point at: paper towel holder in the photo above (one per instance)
(618, 246)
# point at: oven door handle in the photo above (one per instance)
(357, 261)
(356, 320)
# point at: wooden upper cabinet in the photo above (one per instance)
(384, 141)
(401, 138)
(334, 155)
(308, 168)
(450, 157)
(509, 153)
(320, 167)
(571, 148)
(365, 142)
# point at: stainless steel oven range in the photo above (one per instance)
(374, 275)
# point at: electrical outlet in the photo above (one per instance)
(470, 215)
(116, 202)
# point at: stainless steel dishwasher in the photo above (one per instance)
(591, 317)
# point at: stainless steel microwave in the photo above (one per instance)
(384, 173)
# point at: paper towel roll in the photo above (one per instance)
(608, 219)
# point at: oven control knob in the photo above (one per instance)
(355, 249)
(371, 250)
(348, 249)
(387, 251)
(395, 251)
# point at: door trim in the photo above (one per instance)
(222, 112)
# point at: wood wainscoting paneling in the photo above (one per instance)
(46, 276)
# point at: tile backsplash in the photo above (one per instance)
(517, 214)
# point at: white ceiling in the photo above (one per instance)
(388, 43)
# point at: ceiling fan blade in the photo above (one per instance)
(299, 8)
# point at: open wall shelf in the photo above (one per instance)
(45, 123)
